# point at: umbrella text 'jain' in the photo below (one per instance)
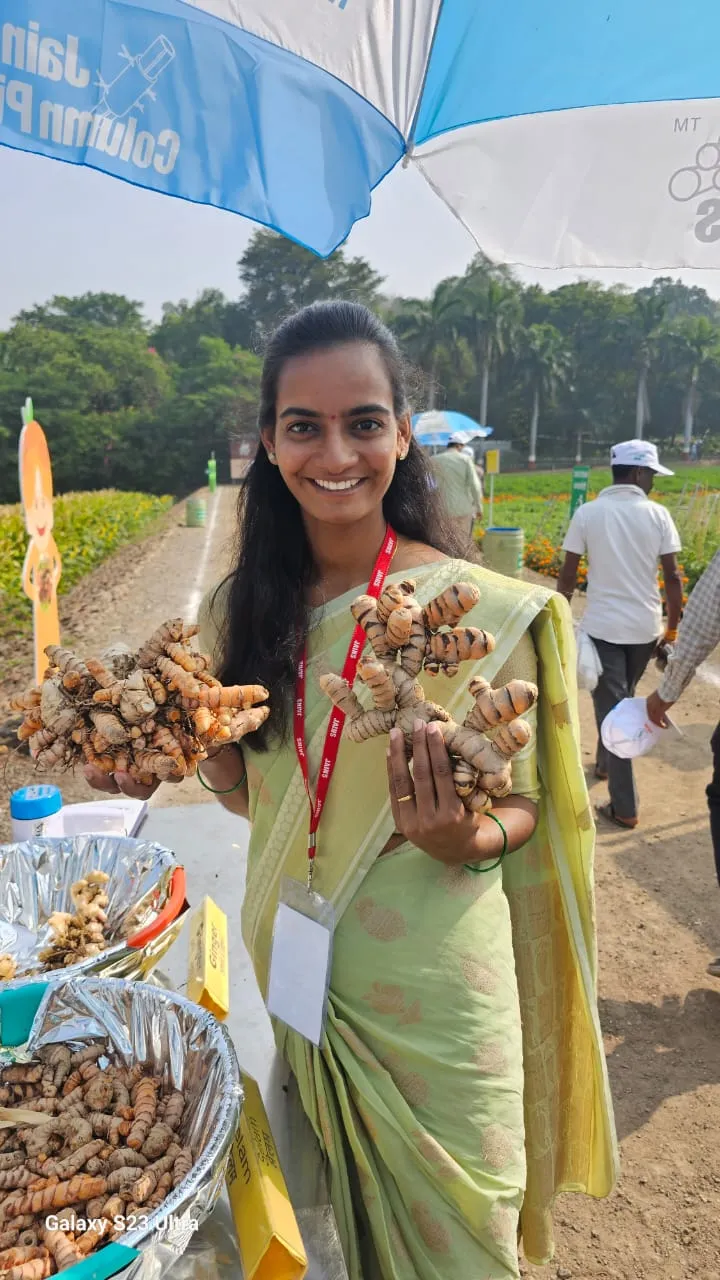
(109, 127)
(26, 49)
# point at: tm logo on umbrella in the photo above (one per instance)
(701, 179)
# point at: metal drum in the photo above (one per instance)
(195, 512)
(504, 550)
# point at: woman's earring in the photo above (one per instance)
(272, 458)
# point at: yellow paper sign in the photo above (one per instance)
(492, 462)
(208, 972)
(42, 567)
(271, 1246)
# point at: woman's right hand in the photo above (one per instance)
(122, 784)
(119, 783)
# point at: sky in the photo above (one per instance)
(69, 230)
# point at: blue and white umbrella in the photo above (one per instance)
(574, 132)
(435, 428)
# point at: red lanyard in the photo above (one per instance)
(337, 718)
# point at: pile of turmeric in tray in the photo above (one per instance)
(74, 935)
(106, 1154)
(152, 714)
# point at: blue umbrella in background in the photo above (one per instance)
(434, 428)
(569, 134)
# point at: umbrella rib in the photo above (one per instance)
(410, 141)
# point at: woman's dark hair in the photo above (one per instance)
(267, 610)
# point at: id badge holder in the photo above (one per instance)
(301, 959)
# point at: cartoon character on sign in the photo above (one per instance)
(42, 568)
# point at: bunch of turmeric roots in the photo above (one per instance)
(106, 1154)
(74, 935)
(152, 714)
(406, 638)
(80, 934)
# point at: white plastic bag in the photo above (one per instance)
(589, 666)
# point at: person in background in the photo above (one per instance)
(459, 487)
(624, 534)
(699, 634)
(479, 469)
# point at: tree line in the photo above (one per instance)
(129, 404)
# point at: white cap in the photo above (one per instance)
(627, 731)
(637, 453)
(456, 438)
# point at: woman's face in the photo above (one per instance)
(337, 440)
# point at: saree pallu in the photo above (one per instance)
(462, 1078)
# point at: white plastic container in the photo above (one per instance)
(120, 816)
(36, 811)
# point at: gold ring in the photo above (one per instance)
(401, 799)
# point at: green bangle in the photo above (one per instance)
(222, 791)
(472, 866)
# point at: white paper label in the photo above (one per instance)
(299, 972)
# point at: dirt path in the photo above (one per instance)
(658, 925)
(658, 907)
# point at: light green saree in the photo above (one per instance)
(462, 1076)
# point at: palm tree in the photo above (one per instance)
(426, 329)
(649, 313)
(698, 341)
(547, 361)
(488, 311)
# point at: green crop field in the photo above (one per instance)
(547, 484)
(88, 528)
(540, 505)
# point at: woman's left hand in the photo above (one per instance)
(426, 807)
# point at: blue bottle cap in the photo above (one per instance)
(30, 803)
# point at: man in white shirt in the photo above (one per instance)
(624, 535)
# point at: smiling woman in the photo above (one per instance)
(336, 460)
(460, 1075)
(346, 450)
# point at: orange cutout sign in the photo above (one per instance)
(42, 567)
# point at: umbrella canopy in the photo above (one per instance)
(574, 134)
(437, 426)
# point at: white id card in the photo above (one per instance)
(300, 960)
